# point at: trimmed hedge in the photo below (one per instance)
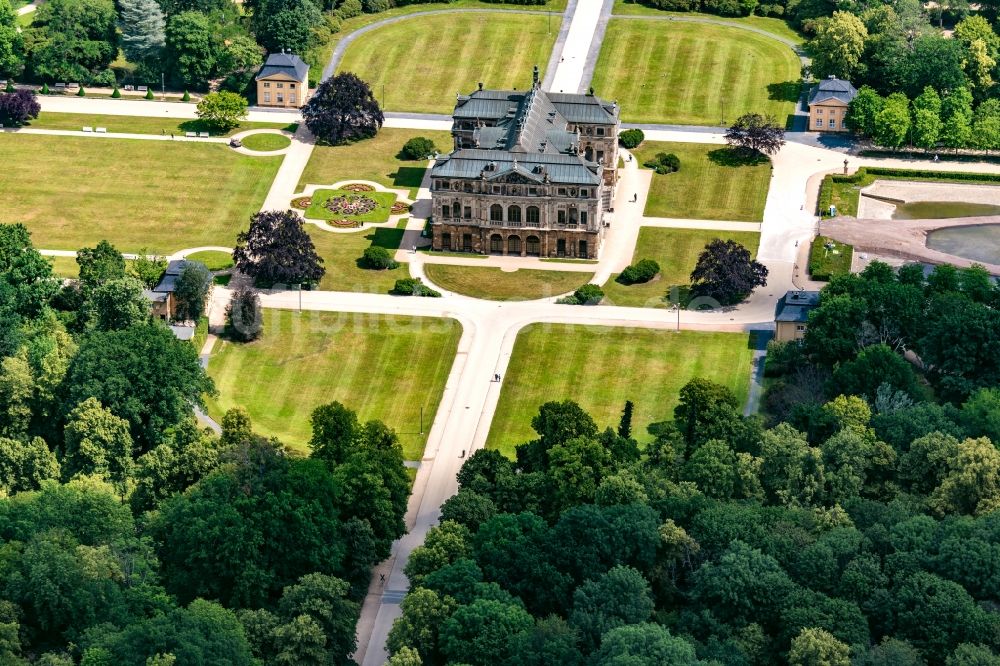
(378, 258)
(631, 138)
(418, 148)
(116, 94)
(921, 173)
(413, 287)
(588, 294)
(663, 163)
(643, 270)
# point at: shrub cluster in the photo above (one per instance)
(414, 287)
(588, 294)
(631, 138)
(378, 258)
(418, 148)
(663, 163)
(643, 270)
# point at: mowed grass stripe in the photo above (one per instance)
(72, 192)
(674, 72)
(602, 367)
(708, 186)
(383, 367)
(423, 61)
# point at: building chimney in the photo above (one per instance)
(534, 77)
(480, 85)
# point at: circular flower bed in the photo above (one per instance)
(358, 187)
(399, 208)
(351, 204)
(302, 202)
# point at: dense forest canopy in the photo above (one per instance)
(855, 523)
(130, 535)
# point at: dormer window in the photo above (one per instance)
(600, 131)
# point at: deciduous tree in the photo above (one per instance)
(11, 42)
(753, 134)
(244, 316)
(20, 106)
(98, 442)
(142, 374)
(100, 263)
(343, 109)
(222, 110)
(926, 118)
(117, 304)
(838, 45)
(73, 40)
(727, 272)
(818, 647)
(191, 49)
(892, 123)
(277, 249)
(192, 289)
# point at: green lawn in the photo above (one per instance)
(419, 64)
(65, 267)
(341, 253)
(214, 261)
(318, 57)
(372, 159)
(825, 263)
(383, 367)
(141, 125)
(676, 250)
(72, 192)
(775, 26)
(710, 185)
(601, 368)
(266, 142)
(694, 73)
(383, 204)
(497, 285)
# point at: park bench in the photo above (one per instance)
(191, 134)
(129, 87)
(142, 88)
(88, 129)
(60, 86)
(101, 130)
(72, 86)
(204, 135)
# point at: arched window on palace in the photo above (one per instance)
(532, 215)
(514, 214)
(496, 244)
(496, 213)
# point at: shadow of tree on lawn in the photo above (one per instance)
(730, 157)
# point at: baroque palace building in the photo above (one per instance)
(532, 173)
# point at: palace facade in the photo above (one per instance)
(532, 173)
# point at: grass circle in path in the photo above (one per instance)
(213, 259)
(266, 141)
